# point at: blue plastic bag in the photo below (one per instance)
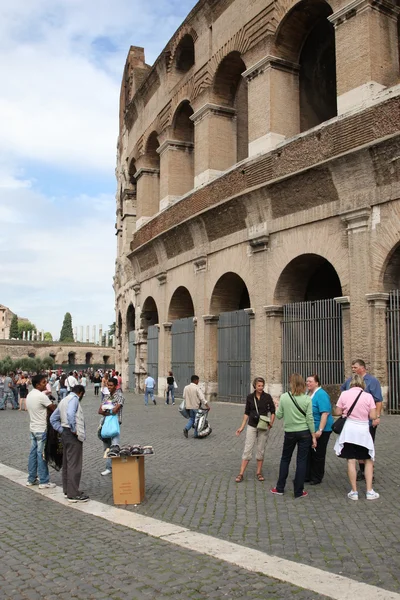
(110, 427)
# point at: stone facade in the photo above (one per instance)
(258, 166)
(63, 354)
(6, 316)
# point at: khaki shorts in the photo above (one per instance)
(254, 435)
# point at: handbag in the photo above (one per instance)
(183, 410)
(263, 421)
(175, 385)
(110, 428)
(338, 425)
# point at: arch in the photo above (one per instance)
(31, 354)
(230, 293)
(230, 89)
(71, 358)
(88, 358)
(131, 174)
(149, 314)
(391, 270)
(181, 304)
(52, 355)
(130, 318)
(148, 180)
(183, 132)
(185, 54)
(106, 360)
(182, 125)
(306, 37)
(152, 156)
(307, 277)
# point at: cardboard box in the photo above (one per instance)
(128, 479)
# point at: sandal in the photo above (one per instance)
(260, 477)
(239, 478)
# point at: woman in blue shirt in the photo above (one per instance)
(323, 420)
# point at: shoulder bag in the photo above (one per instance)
(297, 405)
(263, 421)
(338, 425)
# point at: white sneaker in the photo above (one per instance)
(106, 472)
(372, 495)
(30, 483)
(46, 486)
(352, 495)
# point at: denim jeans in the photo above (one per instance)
(192, 418)
(301, 439)
(111, 442)
(37, 466)
(62, 393)
(171, 390)
(148, 392)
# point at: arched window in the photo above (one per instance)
(185, 56)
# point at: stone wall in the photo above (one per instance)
(57, 351)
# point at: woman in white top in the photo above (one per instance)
(355, 441)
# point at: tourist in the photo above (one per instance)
(119, 379)
(9, 391)
(104, 386)
(323, 421)
(97, 383)
(295, 408)
(71, 381)
(63, 386)
(83, 381)
(2, 392)
(355, 441)
(37, 403)
(257, 404)
(194, 399)
(23, 383)
(69, 421)
(117, 400)
(149, 387)
(373, 387)
(170, 388)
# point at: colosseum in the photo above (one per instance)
(258, 202)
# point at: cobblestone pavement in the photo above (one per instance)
(50, 552)
(191, 483)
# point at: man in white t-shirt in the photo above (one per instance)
(71, 381)
(36, 404)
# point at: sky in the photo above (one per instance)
(61, 64)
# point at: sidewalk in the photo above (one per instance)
(191, 483)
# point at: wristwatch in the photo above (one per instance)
(320, 430)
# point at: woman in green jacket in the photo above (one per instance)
(295, 408)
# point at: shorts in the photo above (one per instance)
(350, 451)
(253, 436)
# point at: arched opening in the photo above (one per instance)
(230, 293)
(391, 285)
(230, 89)
(391, 276)
(308, 277)
(52, 356)
(185, 54)
(307, 38)
(88, 358)
(130, 318)
(106, 359)
(230, 339)
(181, 305)
(149, 314)
(31, 354)
(312, 336)
(149, 323)
(148, 180)
(182, 172)
(71, 358)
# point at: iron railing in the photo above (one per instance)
(393, 351)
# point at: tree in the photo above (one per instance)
(14, 328)
(48, 337)
(25, 325)
(67, 334)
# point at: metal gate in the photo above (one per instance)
(393, 351)
(233, 356)
(152, 352)
(131, 360)
(182, 362)
(312, 341)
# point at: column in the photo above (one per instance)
(274, 316)
(211, 356)
(24, 335)
(176, 170)
(367, 57)
(148, 194)
(94, 334)
(377, 305)
(215, 141)
(100, 335)
(344, 301)
(87, 334)
(274, 103)
(81, 337)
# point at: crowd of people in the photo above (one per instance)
(305, 409)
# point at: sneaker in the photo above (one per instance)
(352, 495)
(81, 498)
(360, 476)
(173, 404)
(167, 403)
(154, 402)
(372, 495)
(185, 433)
(65, 495)
(46, 486)
(275, 491)
(303, 495)
(30, 483)
(106, 472)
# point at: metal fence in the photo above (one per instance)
(152, 352)
(393, 351)
(233, 356)
(312, 341)
(182, 363)
(131, 360)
